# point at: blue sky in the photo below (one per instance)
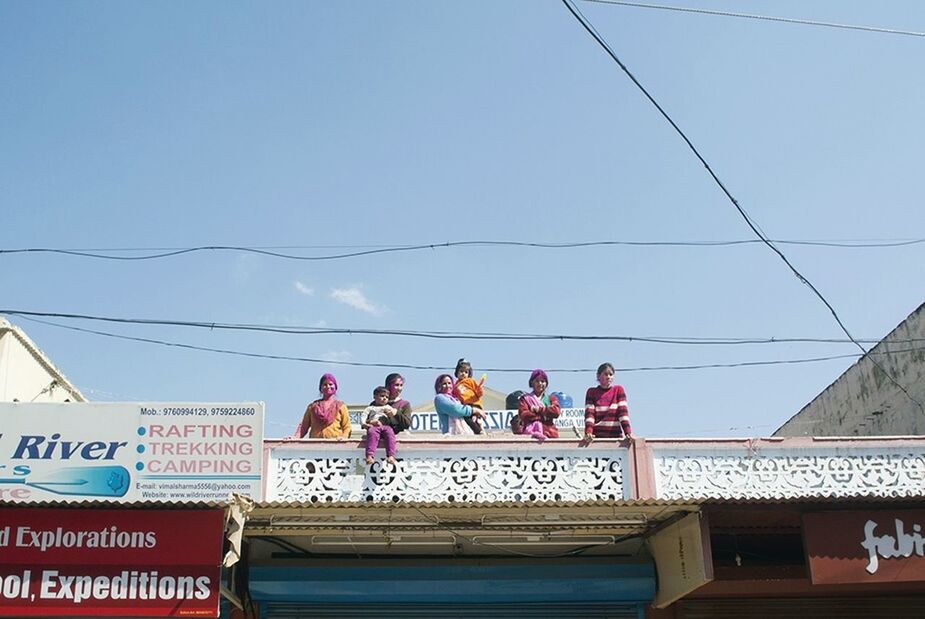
(347, 126)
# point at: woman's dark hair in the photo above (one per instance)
(440, 380)
(604, 366)
(391, 378)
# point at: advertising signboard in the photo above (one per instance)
(129, 452)
(498, 421)
(865, 546)
(110, 562)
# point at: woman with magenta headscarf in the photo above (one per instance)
(327, 416)
(538, 410)
(451, 413)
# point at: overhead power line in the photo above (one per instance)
(442, 335)
(114, 253)
(577, 14)
(409, 366)
(786, 20)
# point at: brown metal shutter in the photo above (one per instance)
(894, 607)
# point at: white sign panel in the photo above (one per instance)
(571, 418)
(134, 451)
(499, 420)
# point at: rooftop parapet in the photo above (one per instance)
(505, 468)
(793, 468)
(438, 470)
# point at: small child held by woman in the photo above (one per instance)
(375, 420)
(469, 391)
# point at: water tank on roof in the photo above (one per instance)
(565, 400)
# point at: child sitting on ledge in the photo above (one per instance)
(375, 420)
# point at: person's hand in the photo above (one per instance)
(388, 410)
(478, 412)
(536, 408)
(589, 437)
(375, 423)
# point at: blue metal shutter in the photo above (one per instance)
(577, 610)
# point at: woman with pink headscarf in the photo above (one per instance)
(327, 416)
(538, 410)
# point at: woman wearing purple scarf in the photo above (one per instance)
(538, 410)
(327, 416)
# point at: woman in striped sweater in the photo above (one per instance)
(606, 413)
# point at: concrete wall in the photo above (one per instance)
(864, 401)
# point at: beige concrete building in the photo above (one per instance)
(866, 402)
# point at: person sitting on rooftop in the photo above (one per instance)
(538, 410)
(375, 420)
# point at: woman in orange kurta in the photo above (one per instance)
(327, 416)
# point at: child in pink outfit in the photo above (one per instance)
(375, 420)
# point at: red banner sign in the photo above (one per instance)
(865, 546)
(110, 562)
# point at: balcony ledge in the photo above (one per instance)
(506, 468)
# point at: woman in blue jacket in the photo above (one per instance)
(450, 411)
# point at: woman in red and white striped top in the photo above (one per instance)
(606, 412)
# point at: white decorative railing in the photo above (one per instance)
(769, 469)
(445, 470)
(517, 469)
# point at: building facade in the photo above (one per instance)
(26, 374)
(865, 401)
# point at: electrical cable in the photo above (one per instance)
(169, 253)
(444, 335)
(786, 20)
(406, 366)
(742, 212)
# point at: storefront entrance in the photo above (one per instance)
(443, 587)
